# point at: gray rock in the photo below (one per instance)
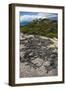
(39, 52)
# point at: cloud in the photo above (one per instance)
(30, 17)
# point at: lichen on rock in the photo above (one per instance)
(38, 53)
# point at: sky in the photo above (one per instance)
(26, 17)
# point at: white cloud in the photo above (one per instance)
(31, 17)
(36, 16)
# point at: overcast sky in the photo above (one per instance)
(29, 16)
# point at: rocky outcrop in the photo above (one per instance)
(40, 54)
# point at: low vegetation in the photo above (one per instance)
(43, 27)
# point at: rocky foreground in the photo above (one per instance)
(38, 56)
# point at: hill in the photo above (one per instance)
(43, 27)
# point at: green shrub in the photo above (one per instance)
(44, 27)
